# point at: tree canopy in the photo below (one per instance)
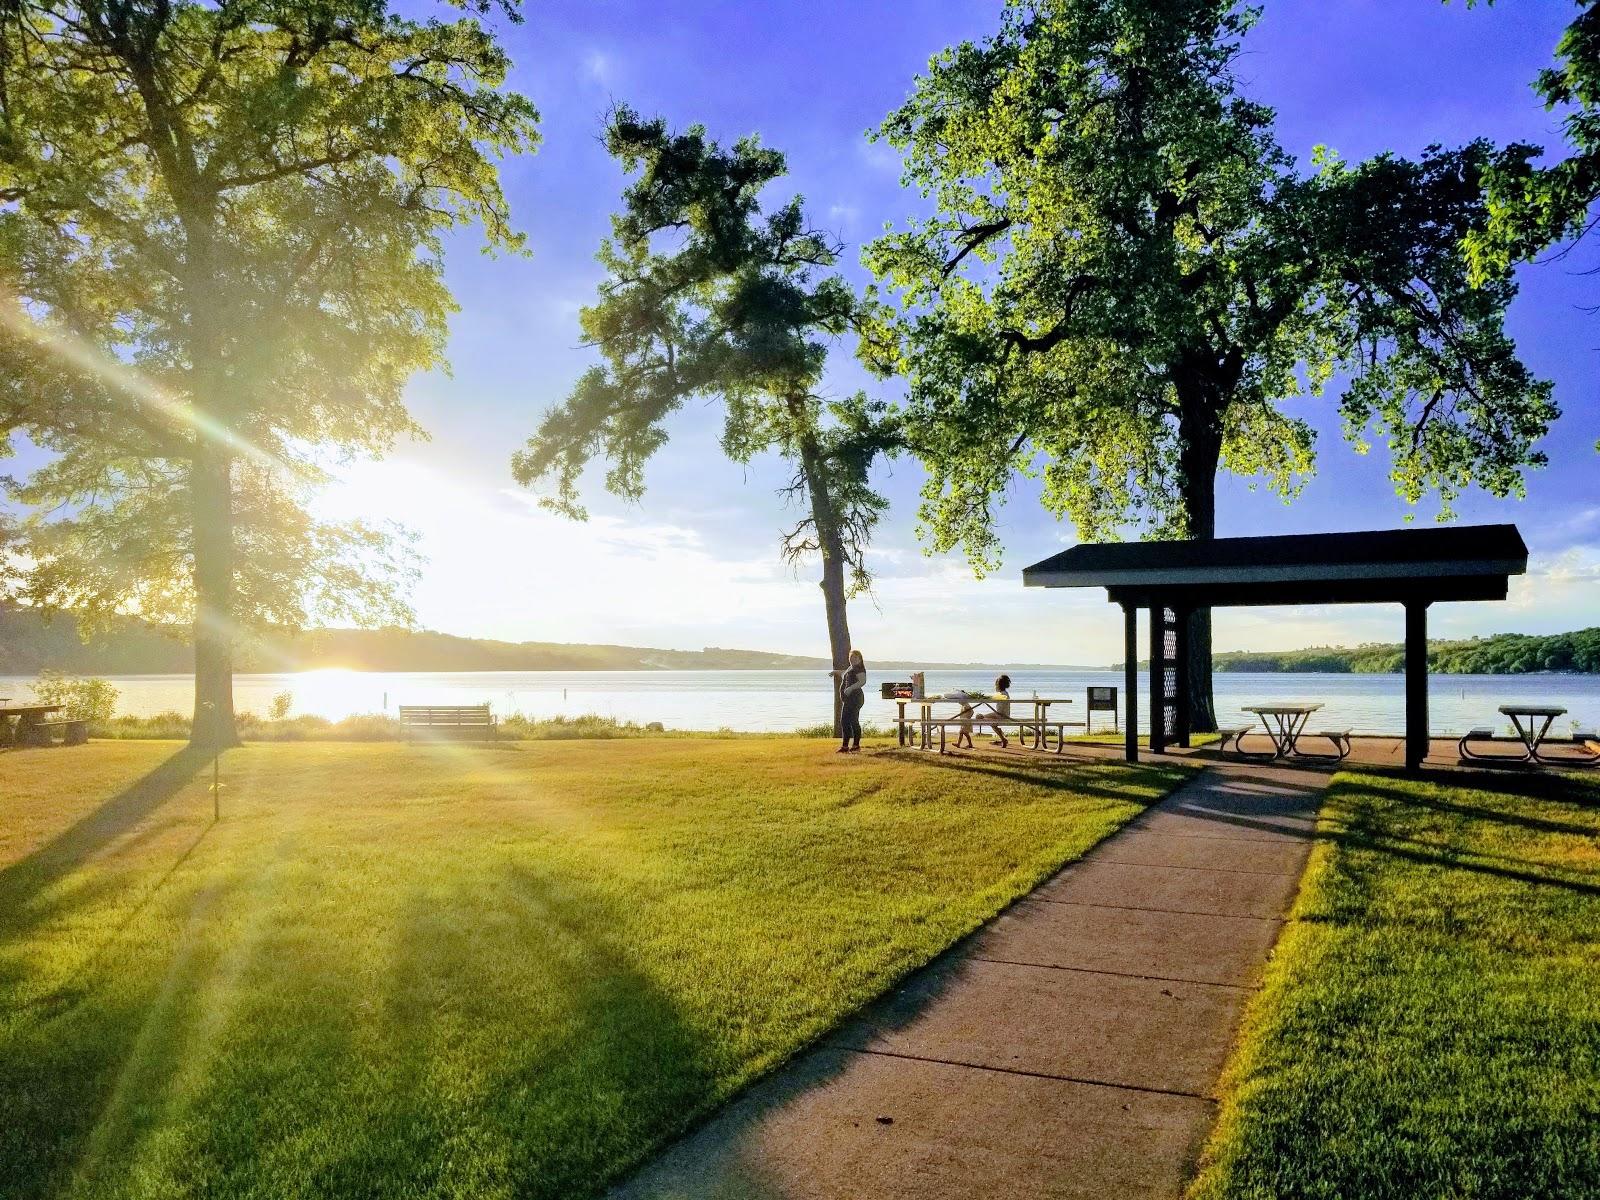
(708, 295)
(1533, 207)
(1125, 279)
(220, 261)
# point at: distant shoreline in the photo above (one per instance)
(873, 669)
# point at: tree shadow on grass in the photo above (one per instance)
(26, 899)
(1540, 787)
(1429, 854)
(510, 1042)
(88, 1076)
(22, 881)
(1375, 830)
(1075, 777)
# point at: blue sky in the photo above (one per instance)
(696, 564)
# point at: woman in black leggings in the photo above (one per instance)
(852, 694)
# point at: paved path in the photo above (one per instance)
(1069, 1049)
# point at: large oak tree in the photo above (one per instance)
(220, 261)
(708, 295)
(1124, 278)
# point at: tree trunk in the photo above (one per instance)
(211, 495)
(831, 545)
(833, 600)
(1199, 454)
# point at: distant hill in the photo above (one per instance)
(1501, 654)
(31, 641)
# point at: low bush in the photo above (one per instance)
(375, 727)
(81, 699)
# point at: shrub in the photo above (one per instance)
(81, 698)
(278, 707)
(588, 725)
(160, 727)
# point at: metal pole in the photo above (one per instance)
(1182, 732)
(1416, 683)
(1130, 680)
(1158, 679)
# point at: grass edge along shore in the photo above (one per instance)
(374, 727)
(468, 970)
(1429, 1025)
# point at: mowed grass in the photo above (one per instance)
(461, 970)
(1430, 1025)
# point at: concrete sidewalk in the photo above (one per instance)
(1071, 1048)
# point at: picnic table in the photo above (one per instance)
(14, 733)
(1532, 725)
(982, 704)
(1530, 736)
(1284, 723)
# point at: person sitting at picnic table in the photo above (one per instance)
(1000, 702)
(852, 695)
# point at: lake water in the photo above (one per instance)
(785, 700)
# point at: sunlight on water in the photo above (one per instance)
(785, 700)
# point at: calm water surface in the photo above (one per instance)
(784, 700)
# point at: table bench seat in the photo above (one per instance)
(1236, 734)
(1341, 745)
(1487, 735)
(1040, 729)
(44, 733)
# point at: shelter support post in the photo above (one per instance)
(1158, 663)
(1130, 680)
(1416, 683)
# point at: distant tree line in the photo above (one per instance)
(1501, 654)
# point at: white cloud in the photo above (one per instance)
(844, 218)
(600, 67)
(880, 157)
(500, 566)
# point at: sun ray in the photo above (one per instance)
(124, 380)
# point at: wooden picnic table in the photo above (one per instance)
(1041, 710)
(1284, 724)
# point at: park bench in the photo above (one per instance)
(450, 718)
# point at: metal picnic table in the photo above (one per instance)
(1531, 737)
(1284, 723)
(979, 702)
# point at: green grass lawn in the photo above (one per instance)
(1430, 1025)
(396, 970)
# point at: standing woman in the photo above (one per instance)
(852, 695)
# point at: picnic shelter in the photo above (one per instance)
(1413, 568)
